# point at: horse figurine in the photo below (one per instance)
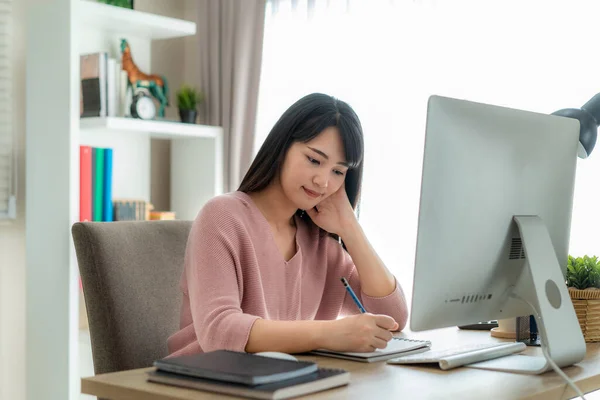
(155, 84)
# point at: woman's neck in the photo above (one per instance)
(275, 206)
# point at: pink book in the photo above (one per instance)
(85, 183)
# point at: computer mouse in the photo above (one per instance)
(276, 354)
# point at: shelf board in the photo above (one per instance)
(131, 22)
(156, 129)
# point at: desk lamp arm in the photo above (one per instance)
(589, 120)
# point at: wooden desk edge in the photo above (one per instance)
(96, 386)
(103, 388)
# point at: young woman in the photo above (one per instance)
(263, 264)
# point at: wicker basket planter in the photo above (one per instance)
(587, 308)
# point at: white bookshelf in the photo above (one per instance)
(154, 128)
(58, 32)
(131, 22)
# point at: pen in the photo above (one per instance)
(349, 289)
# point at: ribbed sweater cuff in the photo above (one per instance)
(241, 331)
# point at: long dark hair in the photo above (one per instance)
(303, 121)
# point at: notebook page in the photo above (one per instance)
(396, 345)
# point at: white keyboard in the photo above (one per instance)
(461, 355)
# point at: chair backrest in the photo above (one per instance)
(130, 273)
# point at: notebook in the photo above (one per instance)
(236, 367)
(396, 347)
(322, 379)
(461, 355)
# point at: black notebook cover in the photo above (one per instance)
(237, 367)
(317, 381)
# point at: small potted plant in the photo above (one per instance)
(188, 99)
(119, 3)
(583, 282)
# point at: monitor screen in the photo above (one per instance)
(482, 165)
(494, 223)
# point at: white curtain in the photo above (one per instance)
(8, 151)
(230, 49)
(386, 57)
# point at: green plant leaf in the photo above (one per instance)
(583, 272)
(188, 97)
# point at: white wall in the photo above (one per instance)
(12, 240)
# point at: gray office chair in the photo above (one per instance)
(130, 273)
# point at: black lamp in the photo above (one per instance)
(589, 120)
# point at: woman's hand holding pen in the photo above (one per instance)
(359, 333)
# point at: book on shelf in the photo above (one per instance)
(125, 94)
(111, 87)
(92, 69)
(85, 183)
(95, 183)
(107, 206)
(162, 215)
(103, 88)
(131, 210)
(96, 202)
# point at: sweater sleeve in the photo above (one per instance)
(214, 280)
(394, 304)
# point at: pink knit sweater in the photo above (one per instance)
(234, 274)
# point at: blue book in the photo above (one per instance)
(107, 205)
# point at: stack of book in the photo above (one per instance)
(96, 201)
(95, 183)
(104, 90)
(131, 210)
(246, 375)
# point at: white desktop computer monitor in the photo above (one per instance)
(494, 224)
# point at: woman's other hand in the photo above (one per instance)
(334, 214)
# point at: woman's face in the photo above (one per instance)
(314, 170)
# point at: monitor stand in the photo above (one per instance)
(542, 285)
